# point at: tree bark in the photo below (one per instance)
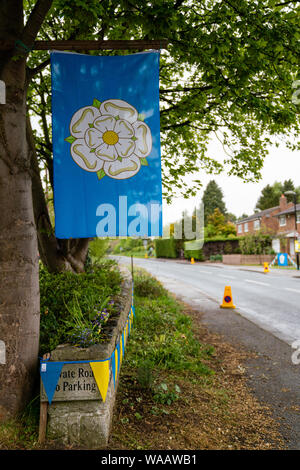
(56, 255)
(19, 280)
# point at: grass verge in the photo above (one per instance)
(182, 387)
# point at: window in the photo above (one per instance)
(276, 245)
(256, 224)
(246, 227)
(298, 218)
(240, 228)
(282, 220)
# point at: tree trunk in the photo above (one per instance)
(19, 293)
(57, 255)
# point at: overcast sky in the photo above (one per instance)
(281, 164)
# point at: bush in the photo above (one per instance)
(129, 244)
(196, 254)
(255, 244)
(216, 258)
(146, 286)
(64, 294)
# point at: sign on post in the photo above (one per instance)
(282, 259)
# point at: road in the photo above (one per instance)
(266, 321)
(271, 300)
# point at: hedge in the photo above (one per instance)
(166, 248)
(223, 239)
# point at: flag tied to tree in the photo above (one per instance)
(106, 145)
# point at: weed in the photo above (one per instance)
(165, 396)
(145, 374)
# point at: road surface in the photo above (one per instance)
(272, 300)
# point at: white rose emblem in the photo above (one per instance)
(109, 138)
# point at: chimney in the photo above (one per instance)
(283, 202)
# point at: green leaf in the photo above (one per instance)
(70, 139)
(144, 162)
(96, 103)
(100, 174)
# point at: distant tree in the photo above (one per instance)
(212, 199)
(270, 194)
(231, 217)
(269, 198)
(243, 216)
(218, 225)
(288, 185)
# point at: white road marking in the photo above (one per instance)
(201, 270)
(292, 290)
(226, 277)
(257, 282)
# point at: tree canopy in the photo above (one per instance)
(228, 73)
(218, 226)
(212, 199)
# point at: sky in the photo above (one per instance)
(239, 197)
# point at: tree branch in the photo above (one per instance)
(32, 72)
(34, 23)
(185, 89)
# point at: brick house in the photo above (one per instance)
(279, 221)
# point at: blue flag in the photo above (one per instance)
(106, 145)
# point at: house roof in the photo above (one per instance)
(290, 210)
(258, 215)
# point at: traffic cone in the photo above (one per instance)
(192, 261)
(266, 268)
(227, 298)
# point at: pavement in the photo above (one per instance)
(282, 271)
(265, 322)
